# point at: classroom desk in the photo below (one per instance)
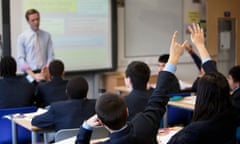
(187, 102)
(25, 121)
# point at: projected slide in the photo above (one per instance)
(81, 30)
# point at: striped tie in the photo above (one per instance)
(38, 51)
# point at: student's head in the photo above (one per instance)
(8, 66)
(234, 77)
(137, 73)
(162, 60)
(112, 110)
(56, 68)
(212, 96)
(33, 18)
(77, 88)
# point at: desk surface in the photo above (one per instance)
(186, 103)
(25, 120)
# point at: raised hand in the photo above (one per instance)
(176, 50)
(197, 38)
(197, 35)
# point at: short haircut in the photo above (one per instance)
(30, 12)
(8, 66)
(163, 58)
(213, 96)
(235, 73)
(56, 68)
(77, 88)
(112, 110)
(139, 73)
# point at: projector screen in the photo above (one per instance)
(83, 31)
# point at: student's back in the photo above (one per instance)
(15, 91)
(70, 113)
(137, 77)
(53, 90)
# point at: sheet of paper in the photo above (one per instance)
(190, 100)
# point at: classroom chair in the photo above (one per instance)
(24, 135)
(98, 132)
(65, 133)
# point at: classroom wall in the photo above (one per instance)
(186, 62)
(215, 9)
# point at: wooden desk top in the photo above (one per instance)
(25, 120)
(186, 103)
(26, 123)
(122, 89)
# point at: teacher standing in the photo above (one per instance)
(34, 48)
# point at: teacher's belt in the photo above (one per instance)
(37, 71)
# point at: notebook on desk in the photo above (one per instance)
(164, 135)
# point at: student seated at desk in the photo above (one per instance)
(51, 91)
(214, 117)
(137, 77)
(112, 112)
(234, 83)
(69, 113)
(15, 91)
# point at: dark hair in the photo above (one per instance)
(213, 96)
(235, 73)
(8, 66)
(30, 12)
(139, 74)
(112, 110)
(77, 88)
(163, 58)
(56, 68)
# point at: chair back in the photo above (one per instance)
(65, 133)
(24, 135)
(99, 132)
